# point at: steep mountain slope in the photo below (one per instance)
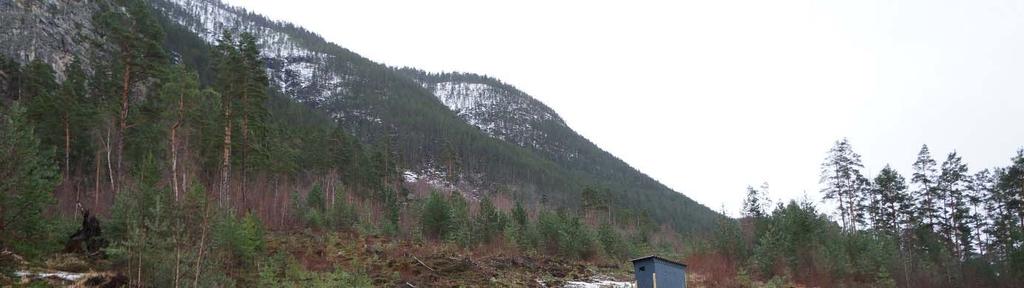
(501, 136)
(504, 112)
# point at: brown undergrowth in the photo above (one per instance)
(395, 262)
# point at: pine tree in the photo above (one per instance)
(843, 182)
(927, 193)
(521, 222)
(242, 83)
(57, 111)
(179, 99)
(39, 93)
(982, 212)
(890, 204)
(753, 204)
(953, 184)
(37, 81)
(73, 112)
(227, 71)
(138, 38)
(10, 79)
(452, 163)
(1007, 206)
(252, 98)
(458, 230)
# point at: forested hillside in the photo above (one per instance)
(197, 150)
(398, 108)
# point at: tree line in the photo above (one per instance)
(943, 227)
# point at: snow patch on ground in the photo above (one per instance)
(66, 276)
(599, 284)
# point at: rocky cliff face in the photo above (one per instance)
(54, 31)
(296, 70)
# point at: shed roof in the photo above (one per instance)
(657, 257)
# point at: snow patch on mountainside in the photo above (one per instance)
(434, 179)
(502, 113)
(297, 71)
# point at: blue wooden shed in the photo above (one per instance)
(656, 272)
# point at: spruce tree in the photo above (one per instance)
(927, 193)
(434, 219)
(490, 221)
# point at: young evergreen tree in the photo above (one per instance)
(489, 221)
(435, 217)
(458, 230)
(29, 177)
(521, 225)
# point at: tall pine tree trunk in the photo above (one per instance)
(123, 121)
(174, 162)
(67, 147)
(110, 165)
(225, 173)
(174, 148)
(96, 194)
(245, 145)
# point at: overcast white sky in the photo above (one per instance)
(711, 96)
